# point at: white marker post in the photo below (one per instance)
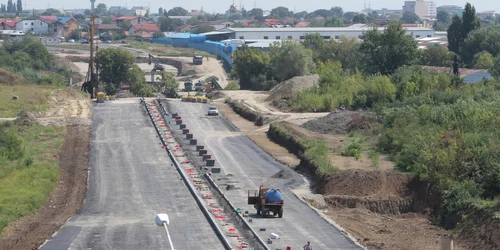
(162, 220)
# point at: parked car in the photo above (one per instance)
(84, 41)
(108, 41)
(213, 111)
(71, 40)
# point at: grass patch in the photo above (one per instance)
(313, 151)
(71, 46)
(167, 50)
(30, 97)
(25, 183)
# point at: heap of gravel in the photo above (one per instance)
(284, 92)
(341, 122)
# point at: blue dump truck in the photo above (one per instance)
(266, 201)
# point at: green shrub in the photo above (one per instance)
(232, 85)
(374, 157)
(10, 146)
(354, 149)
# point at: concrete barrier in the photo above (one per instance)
(199, 147)
(178, 122)
(207, 157)
(182, 126)
(192, 189)
(178, 117)
(174, 115)
(193, 142)
(210, 162)
(185, 131)
(202, 152)
(189, 136)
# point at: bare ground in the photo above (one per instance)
(382, 186)
(210, 67)
(74, 113)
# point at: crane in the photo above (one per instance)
(91, 80)
(157, 67)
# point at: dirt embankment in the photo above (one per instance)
(31, 231)
(342, 122)
(254, 116)
(283, 94)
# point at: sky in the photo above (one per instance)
(222, 5)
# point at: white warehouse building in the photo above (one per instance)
(299, 33)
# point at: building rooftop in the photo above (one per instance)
(146, 27)
(320, 29)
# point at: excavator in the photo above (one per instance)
(157, 67)
(91, 80)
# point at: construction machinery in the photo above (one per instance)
(157, 67)
(197, 60)
(199, 86)
(266, 200)
(188, 85)
(91, 82)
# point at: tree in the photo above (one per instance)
(168, 81)
(136, 79)
(51, 12)
(349, 16)
(470, 21)
(385, 52)
(484, 39)
(114, 65)
(193, 21)
(167, 24)
(436, 55)
(281, 12)
(160, 11)
(204, 28)
(19, 6)
(455, 34)
(258, 14)
(345, 51)
(177, 11)
(289, 59)
(107, 20)
(75, 34)
(236, 16)
(321, 12)
(495, 69)
(337, 11)
(409, 17)
(248, 62)
(334, 21)
(359, 18)
(315, 43)
(9, 6)
(126, 25)
(483, 60)
(443, 17)
(101, 9)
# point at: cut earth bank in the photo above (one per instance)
(382, 208)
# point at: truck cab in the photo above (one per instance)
(257, 198)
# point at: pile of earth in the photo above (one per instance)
(26, 118)
(342, 122)
(283, 174)
(9, 78)
(214, 95)
(284, 93)
(65, 95)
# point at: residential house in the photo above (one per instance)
(186, 28)
(303, 24)
(143, 29)
(105, 30)
(55, 27)
(182, 18)
(34, 26)
(69, 24)
(8, 24)
(272, 23)
(132, 19)
(219, 24)
(418, 7)
(487, 14)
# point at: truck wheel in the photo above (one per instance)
(258, 211)
(280, 213)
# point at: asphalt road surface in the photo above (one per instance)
(250, 166)
(130, 181)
